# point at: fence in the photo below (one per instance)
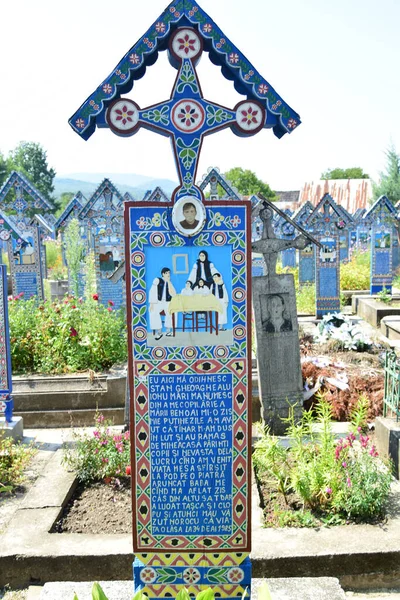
(391, 399)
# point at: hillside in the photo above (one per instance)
(136, 185)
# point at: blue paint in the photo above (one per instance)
(382, 263)
(306, 268)
(191, 453)
(327, 282)
(26, 283)
(112, 291)
(289, 258)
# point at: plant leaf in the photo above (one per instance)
(97, 592)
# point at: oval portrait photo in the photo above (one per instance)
(188, 216)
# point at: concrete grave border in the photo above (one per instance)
(359, 556)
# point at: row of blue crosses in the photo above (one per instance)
(186, 117)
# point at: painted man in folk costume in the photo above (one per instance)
(161, 293)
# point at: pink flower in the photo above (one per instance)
(73, 332)
(109, 309)
(128, 470)
(110, 303)
(100, 419)
(95, 296)
(348, 480)
(328, 490)
(104, 460)
(344, 464)
(96, 433)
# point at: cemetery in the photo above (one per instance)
(200, 390)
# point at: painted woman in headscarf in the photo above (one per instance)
(202, 269)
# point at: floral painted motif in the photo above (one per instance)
(148, 575)
(158, 115)
(187, 78)
(187, 43)
(207, 27)
(124, 115)
(80, 123)
(160, 27)
(292, 123)
(107, 89)
(249, 116)
(191, 575)
(188, 115)
(233, 58)
(235, 221)
(263, 88)
(217, 115)
(134, 59)
(235, 575)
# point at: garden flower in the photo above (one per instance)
(109, 309)
(95, 296)
(344, 464)
(348, 480)
(128, 470)
(100, 418)
(111, 303)
(73, 332)
(328, 490)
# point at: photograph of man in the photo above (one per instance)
(190, 213)
(161, 293)
(219, 290)
(276, 320)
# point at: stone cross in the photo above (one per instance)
(269, 245)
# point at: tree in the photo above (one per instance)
(351, 173)
(30, 159)
(61, 202)
(3, 169)
(389, 184)
(247, 183)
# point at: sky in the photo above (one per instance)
(335, 62)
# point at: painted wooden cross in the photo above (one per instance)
(189, 313)
(186, 117)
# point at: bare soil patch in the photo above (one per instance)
(98, 508)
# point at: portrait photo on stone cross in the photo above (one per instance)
(275, 314)
(189, 291)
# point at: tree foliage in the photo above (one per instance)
(351, 173)
(3, 169)
(30, 159)
(389, 184)
(247, 183)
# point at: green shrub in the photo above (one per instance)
(53, 253)
(63, 337)
(100, 454)
(335, 480)
(14, 457)
(355, 274)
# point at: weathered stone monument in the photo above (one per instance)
(189, 317)
(274, 302)
(381, 218)
(326, 222)
(26, 262)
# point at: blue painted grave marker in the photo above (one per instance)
(188, 289)
(327, 223)
(381, 217)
